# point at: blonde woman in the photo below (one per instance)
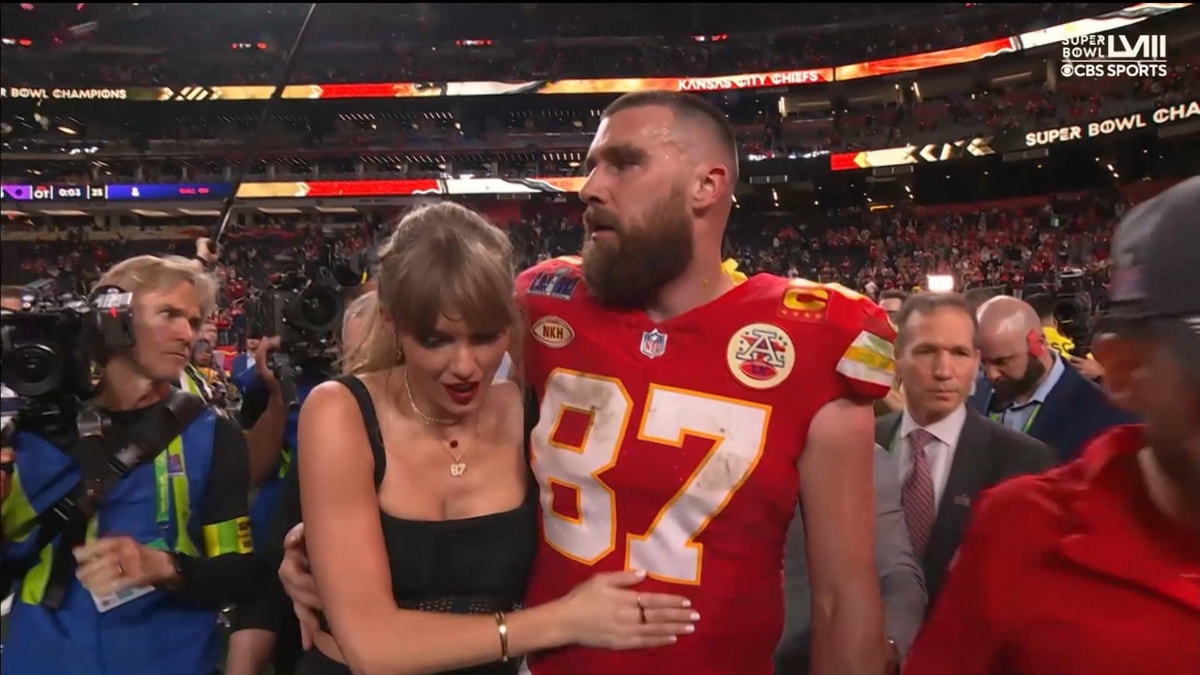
(419, 511)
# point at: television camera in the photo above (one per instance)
(49, 346)
(303, 306)
(1073, 309)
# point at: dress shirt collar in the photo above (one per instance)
(946, 430)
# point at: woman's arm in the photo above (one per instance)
(350, 564)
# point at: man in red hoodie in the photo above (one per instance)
(1094, 567)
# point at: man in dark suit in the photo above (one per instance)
(946, 453)
(900, 581)
(1032, 390)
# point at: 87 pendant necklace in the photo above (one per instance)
(458, 467)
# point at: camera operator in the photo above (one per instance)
(149, 549)
(1045, 305)
(267, 628)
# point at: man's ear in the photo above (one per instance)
(712, 182)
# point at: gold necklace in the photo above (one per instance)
(458, 467)
(428, 419)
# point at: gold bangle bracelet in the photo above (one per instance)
(502, 629)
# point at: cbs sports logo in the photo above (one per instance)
(1114, 56)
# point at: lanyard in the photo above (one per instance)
(171, 495)
(999, 417)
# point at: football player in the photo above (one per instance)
(683, 411)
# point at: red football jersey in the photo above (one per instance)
(672, 448)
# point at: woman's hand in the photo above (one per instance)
(604, 612)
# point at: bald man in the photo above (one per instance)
(1028, 386)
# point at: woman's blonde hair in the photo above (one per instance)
(441, 260)
(366, 308)
(162, 273)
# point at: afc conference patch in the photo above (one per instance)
(760, 355)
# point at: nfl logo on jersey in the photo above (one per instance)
(654, 344)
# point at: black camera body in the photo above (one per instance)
(1073, 309)
(304, 308)
(48, 348)
(304, 313)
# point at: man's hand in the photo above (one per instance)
(1089, 368)
(296, 575)
(112, 564)
(262, 365)
(206, 250)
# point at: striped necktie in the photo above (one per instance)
(917, 493)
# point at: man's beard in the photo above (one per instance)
(631, 267)
(1007, 390)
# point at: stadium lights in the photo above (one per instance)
(940, 283)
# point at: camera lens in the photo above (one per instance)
(317, 309)
(32, 370)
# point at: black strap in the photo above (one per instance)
(69, 516)
(366, 407)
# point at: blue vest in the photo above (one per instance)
(150, 635)
(266, 501)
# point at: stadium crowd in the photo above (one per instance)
(1009, 244)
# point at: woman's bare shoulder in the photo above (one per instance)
(506, 398)
(507, 407)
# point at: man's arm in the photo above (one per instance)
(229, 571)
(264, 440)
(264, 436)
(837, 498)
(901, 580)
(265, 626)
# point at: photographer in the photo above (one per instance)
(267, 627)
(148, 550)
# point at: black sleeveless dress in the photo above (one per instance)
(470, 566)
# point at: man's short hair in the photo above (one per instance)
(1043, 304)
(980, 294)
(894, 294)
(928, 303)
(689, 107)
